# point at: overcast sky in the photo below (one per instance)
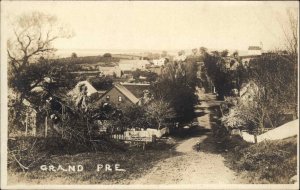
(164, 25)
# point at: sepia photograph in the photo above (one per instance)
(149, 94)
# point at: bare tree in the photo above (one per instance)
(160, 111)
(291, 34)
(32, 37)
(291, 45)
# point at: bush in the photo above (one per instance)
(266, 162)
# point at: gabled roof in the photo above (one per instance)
(126, 93)
(136, 89)
(254, 48)
(90, 89)
(122, 89)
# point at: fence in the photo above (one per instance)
(145, 135)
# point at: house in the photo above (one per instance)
(254, 50)
(91, 91)
(140, 90)
(119, 96)
(180, 58)
(155, 69)
(159, 62)
(110, 71)
(86, 73)
(132, 65)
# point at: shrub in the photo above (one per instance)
(267, 162)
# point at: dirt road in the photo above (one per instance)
(191, 166)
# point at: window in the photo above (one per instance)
(120, 99)
(107, 97)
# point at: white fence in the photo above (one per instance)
(284, 131)
(142, 136)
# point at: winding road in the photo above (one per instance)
(192, 166)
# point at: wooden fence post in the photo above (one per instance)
(34, 126)
(26, 125)
(46, 126)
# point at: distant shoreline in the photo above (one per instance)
(61, 53)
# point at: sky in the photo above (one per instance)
(164, 25)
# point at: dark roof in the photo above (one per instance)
(249, 56)
(124, 91)
(137, 89)
(254, 48)
(127, 93)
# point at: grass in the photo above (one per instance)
(265, 162)
(134, 160)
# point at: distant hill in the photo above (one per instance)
(88, 60)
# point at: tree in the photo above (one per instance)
(274, 74)
(160, 111)
(181, 52)
(33, 35)
(73, 55)
(291, 35)
(174, 86)
(195, 51)
(224, 53)
(150, 76)
(203, 50)
(103, 83)
(132, 117)
(235, 54)
(164, 54)
(107, 55)
(218, 74)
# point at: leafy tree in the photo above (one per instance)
(181, 52)
(174, 87)
(224, 53)
(194, 51)
(132, 117)
(164, 54)
(150, 76)
(220, 76)
(203, 51)
(73, 55)
(103, 83)
(235, 54)
(107, 55)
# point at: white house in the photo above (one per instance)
(159, 62)
(110, 71)
(180, 58)
(254, 50)
(132, 65)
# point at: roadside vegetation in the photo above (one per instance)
(34, 152)
(264, 162)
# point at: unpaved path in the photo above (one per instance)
(191, 166)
